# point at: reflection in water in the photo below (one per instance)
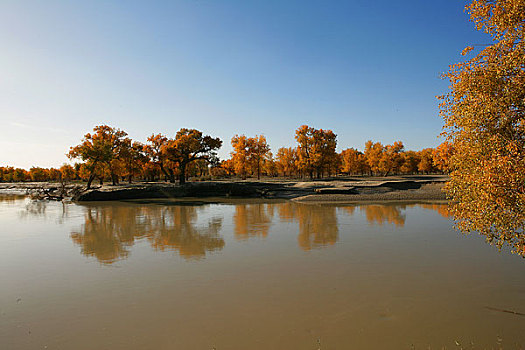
(375, 287)
(10, 198)
(317, 223)
(174, 230)
(439, 207)
(394, 214)
(382, 214)
(35, 208)
(109, 231)
(252, 220)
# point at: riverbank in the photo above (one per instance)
(341, 189)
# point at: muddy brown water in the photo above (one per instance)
(252, 275)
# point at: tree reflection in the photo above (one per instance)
(441, 208)
(174, 230)
(11, 198)
(394, 214)
(252, 220)
(110, 230)
(381, 214)
(317, 223)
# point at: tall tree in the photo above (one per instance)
(154, 150)
(188, 146)
(441, 156)
(98, 149)
(353, 161)
(304, 136)
(258, 153)
(410, 163)
(484, 117)
(132, 159)
(285, 160)
(241, 154)
(315, 150)
(373, 154)
(323, 152)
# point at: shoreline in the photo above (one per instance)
(336, 190)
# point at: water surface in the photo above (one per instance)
(251, 275)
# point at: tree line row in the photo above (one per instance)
(109, 154)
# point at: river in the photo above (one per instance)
(252, 275)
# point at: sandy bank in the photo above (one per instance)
(350, 189)
(425, 192)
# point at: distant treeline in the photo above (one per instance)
(108, 154)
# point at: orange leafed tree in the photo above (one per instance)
(304, 136)
(241, 154)
(315, 150)
(249, 154)
(484, 116)
(99, 149)
(286, 160)
(353, 161)
(411, 161)
(442, 155)
(391, 158)
(154, 150)
(258, 153)
(188, 146)
(426, 161)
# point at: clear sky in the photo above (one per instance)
(365, 69)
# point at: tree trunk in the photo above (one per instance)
(182, 175)
(90, 180)
(171, 176)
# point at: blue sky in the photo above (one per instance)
(365, 69)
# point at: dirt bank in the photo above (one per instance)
(432, 191)
(349, 189)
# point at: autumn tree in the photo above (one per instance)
(188, 146)
(67, 173)
(324, 155)
(442, 155)
(4, 174)
(259, 151)
(132, 157)
(373, 154)
(228, 166)
(315, 150)
(98, 149)
(154, 149)
(484, 116)
(270, 165)
(285, 160)
(38, 174)
(241, 154)
(304, 136)
(353, 161)
(391, 158)
(386, 159)
(426, 161)
(20, 175)
(410, 162)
